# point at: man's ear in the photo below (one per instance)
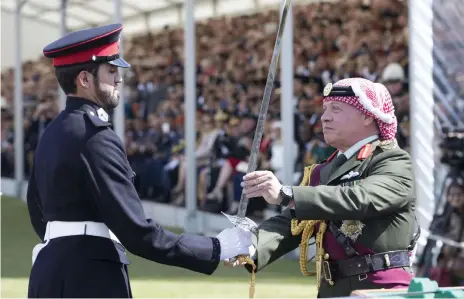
(83, 80)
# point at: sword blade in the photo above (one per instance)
(252, 164)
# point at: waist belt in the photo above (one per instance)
(57, 229)
(362, 265)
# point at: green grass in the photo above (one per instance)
(148, 279)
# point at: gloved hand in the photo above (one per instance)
(234, 241)
(235, 263)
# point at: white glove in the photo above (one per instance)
(234, 241)
(234, 263)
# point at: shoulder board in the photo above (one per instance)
(98, 118)
(388, 144)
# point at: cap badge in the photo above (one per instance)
(327, 89)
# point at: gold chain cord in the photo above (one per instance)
(246, 259)
(306, 227)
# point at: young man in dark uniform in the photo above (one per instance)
(81, 198)
(359, 204)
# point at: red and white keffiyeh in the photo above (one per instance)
(374, 100)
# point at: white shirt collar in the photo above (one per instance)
(357, 146)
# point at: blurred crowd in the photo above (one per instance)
(351, 38)
(445, 263)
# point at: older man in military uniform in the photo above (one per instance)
(81, 198)
(359, 204)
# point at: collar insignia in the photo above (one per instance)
(102, 114)
(365, 152)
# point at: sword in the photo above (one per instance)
(240, 219)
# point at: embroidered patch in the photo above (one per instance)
(352, 229)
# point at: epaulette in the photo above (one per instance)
(388, 144)
(98, 118)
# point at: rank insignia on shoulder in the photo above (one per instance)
(97, 117)
(352, 229)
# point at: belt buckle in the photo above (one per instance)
(362, 277)
(327, 272)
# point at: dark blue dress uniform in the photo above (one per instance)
(81, 181)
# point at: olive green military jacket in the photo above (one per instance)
(382, 197)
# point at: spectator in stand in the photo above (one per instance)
(7, 142)
(203, 154)
(449, 223)
(233, 61)
(455, 232)
(440, 273)
(394, 79)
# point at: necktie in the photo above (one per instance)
(337, 162)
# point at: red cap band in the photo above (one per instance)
(86, 56)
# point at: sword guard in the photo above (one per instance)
(243, 222)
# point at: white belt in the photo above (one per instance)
(57, 229)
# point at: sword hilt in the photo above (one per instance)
(244, 223)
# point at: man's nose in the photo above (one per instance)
(118, 78)
(325, 116)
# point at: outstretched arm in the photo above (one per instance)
(117, 201)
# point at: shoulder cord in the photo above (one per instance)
(306, 228)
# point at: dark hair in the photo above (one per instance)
(455, 183)
(67, 75)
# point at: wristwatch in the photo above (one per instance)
(286, 194)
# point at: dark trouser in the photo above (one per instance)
(61, 271)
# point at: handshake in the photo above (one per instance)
(235, 242)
